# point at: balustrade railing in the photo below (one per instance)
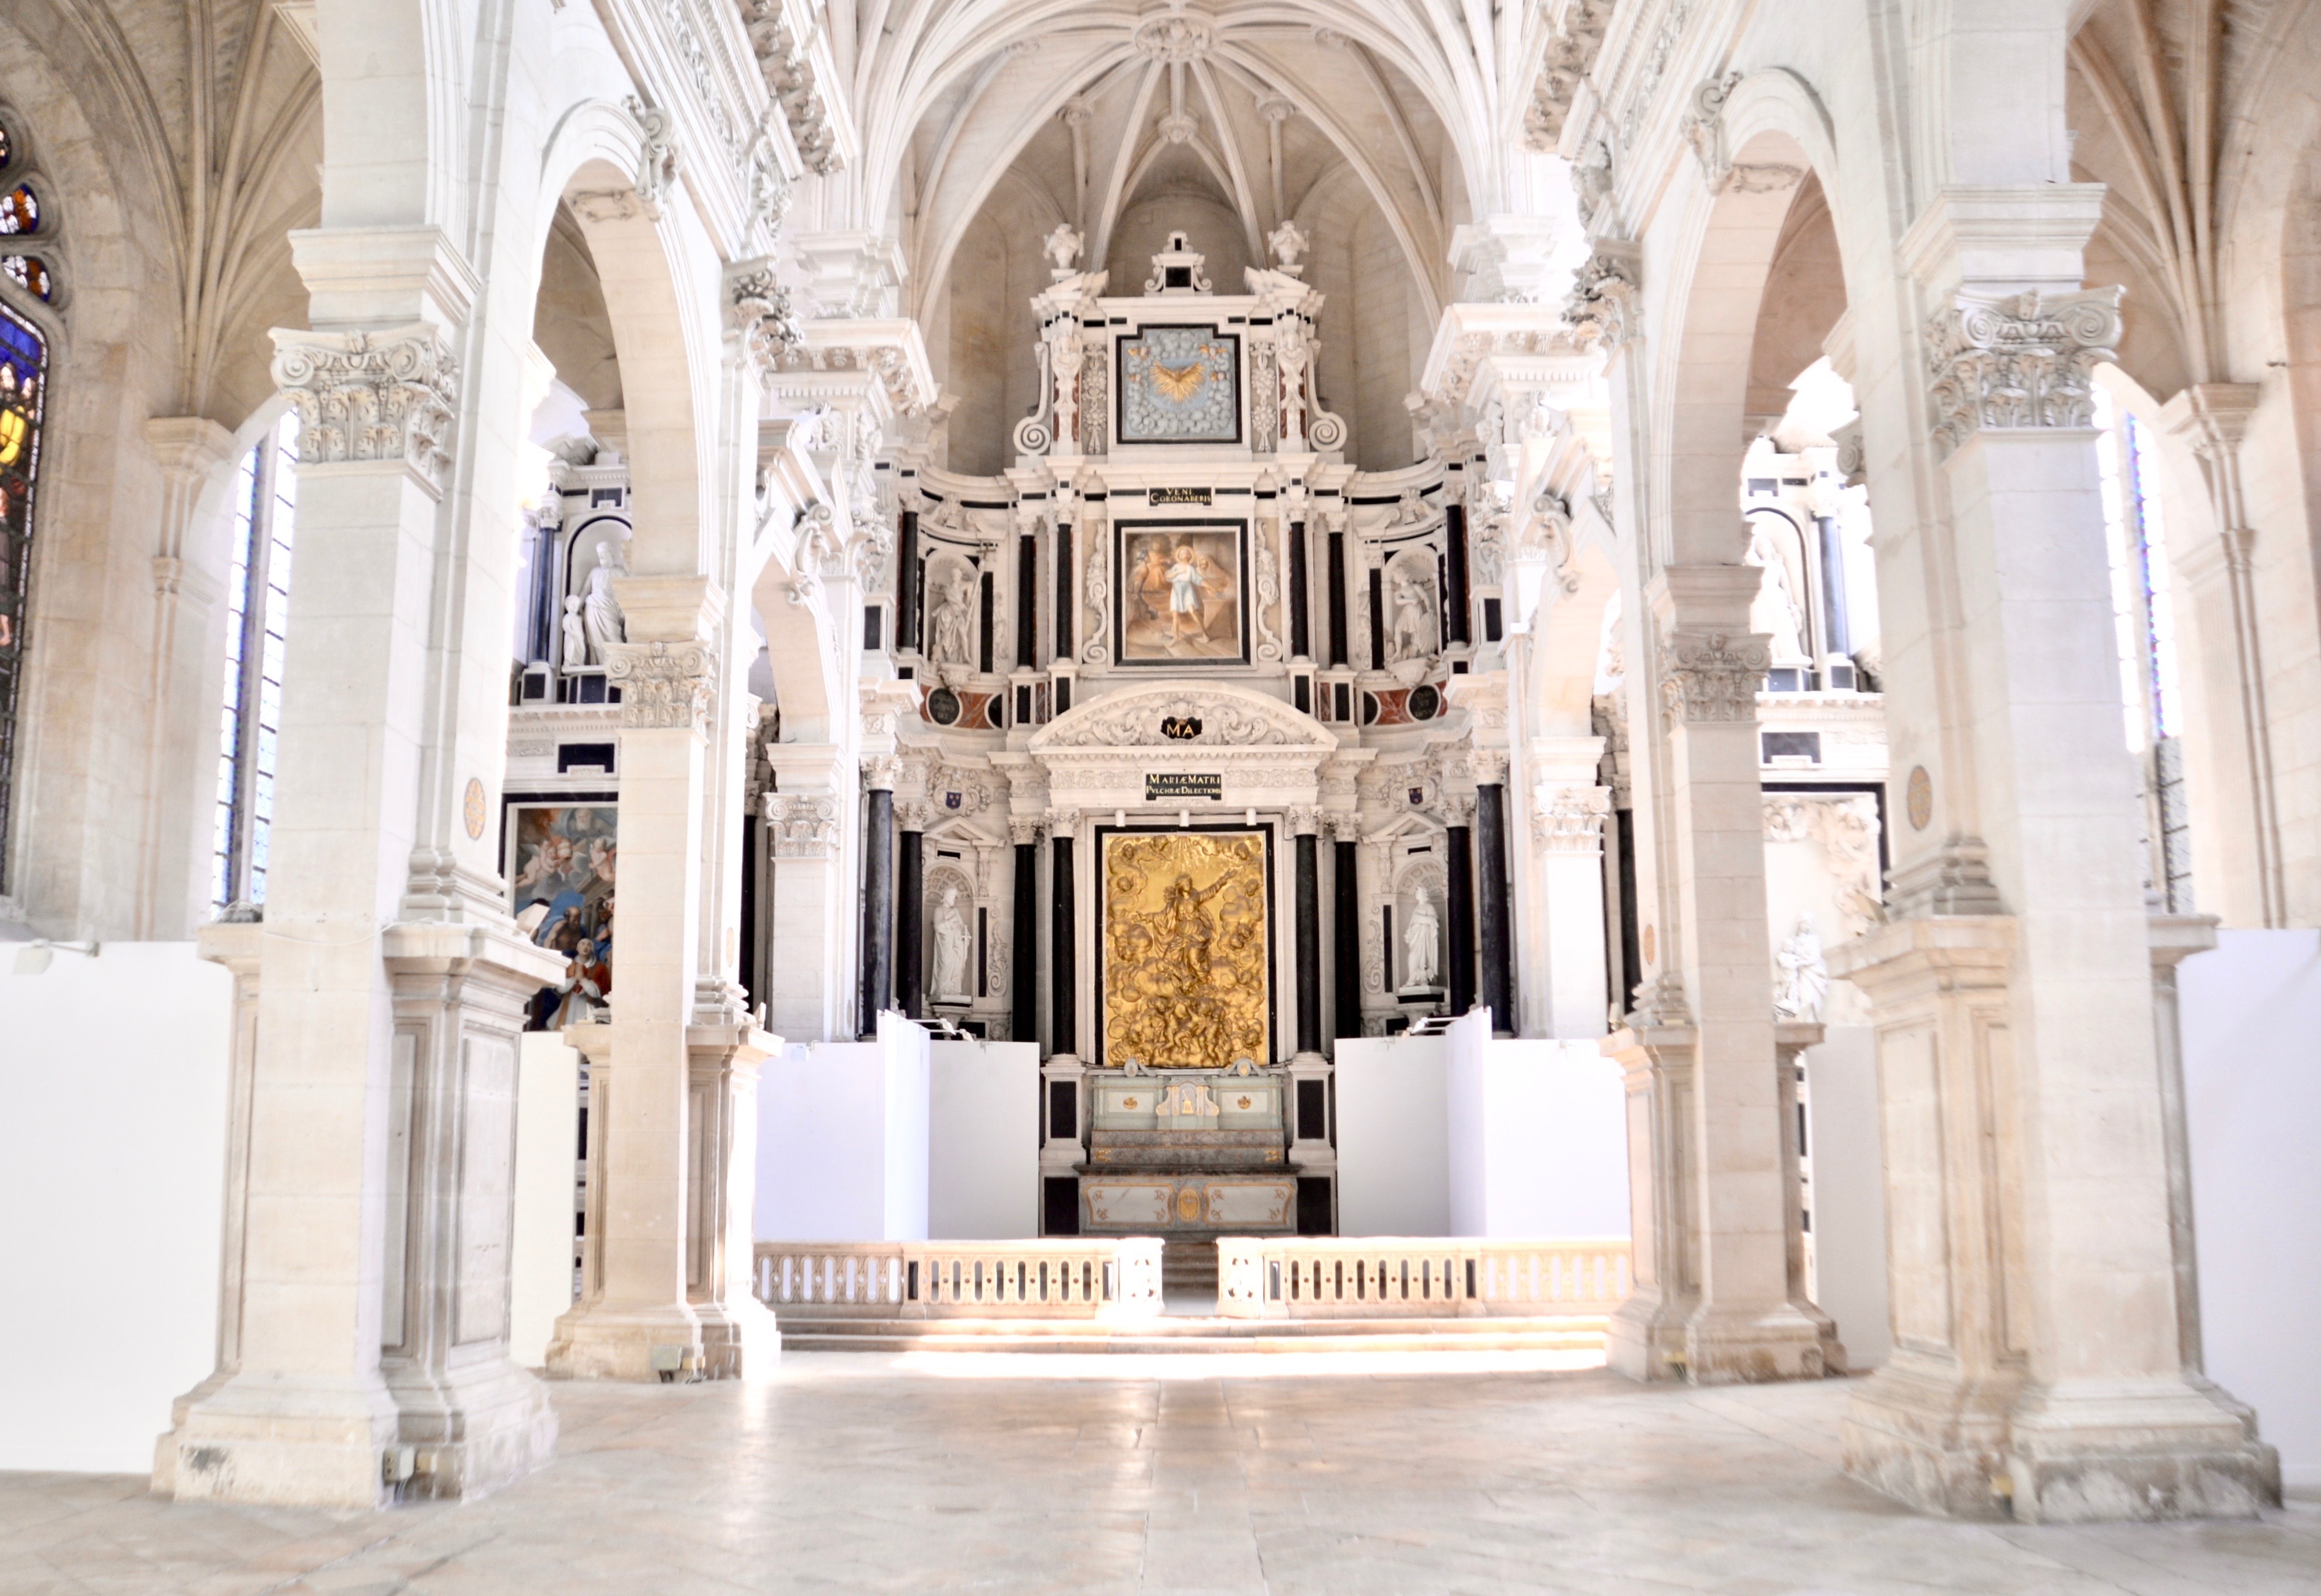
(1410, 1277)
(1057, 1278)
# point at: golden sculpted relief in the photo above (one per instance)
(1184, 969)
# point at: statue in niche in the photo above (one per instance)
(1062, 248)
(1776, 611)
(1802, 986)
(953, 639)
(1421, 944)
(602, 612)
(954, 949)
(1413, 634)
(575, 633)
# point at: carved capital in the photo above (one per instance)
(1345, 826)
(758, 311)
(664, 686)
(879, 771)
(1602, 303)
(2017, 362)
(802, 825)
(1024, 833)
(387, 396)
(1457, 809)
(1063, 822)
(915, 816)
(1571, 820)
(1305, 820)
(1488, 767)
(1712, 677)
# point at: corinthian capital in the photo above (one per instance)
(1712, 677)
(1571, 820)
(387, 395)
(664, 686)
(2017, 362)
(803, 825)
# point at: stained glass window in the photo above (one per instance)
(2144, 617)
(258, 613)
(20, 211)
(24, 395)
(29, 272)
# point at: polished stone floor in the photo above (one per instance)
(1445, 1472)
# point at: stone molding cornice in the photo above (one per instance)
(385, 397)
(2017, 362)
(1712, 677)
(1577, 37)
(664, 686)
(794, 57)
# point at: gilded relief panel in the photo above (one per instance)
(1186, 975)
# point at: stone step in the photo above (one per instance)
(1187, 1334)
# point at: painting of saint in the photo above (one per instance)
(561, 861)
(1181, 596)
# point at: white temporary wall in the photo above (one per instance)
(547, 1170)
(1849, 1190)
(1393, 1172)
(112, 1126)
(1538, 1135)
(983, 1141)
(842, 1138)
(2252, 1029)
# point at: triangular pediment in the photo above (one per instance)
(1184, 715)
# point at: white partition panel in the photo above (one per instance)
(546, 1179)
(1393, 1141)
(983, 1141)
(1538, 1139)
(2252, 1029)
(842, 1138)
(1848, 1195)
(114, 1076)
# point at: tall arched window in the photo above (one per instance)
(2137, 537)
(28, 282)
(258, 613)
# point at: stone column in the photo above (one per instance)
(1458, 911)
(812, 915)
(877, 894)
(1491, 890)
(1304, 823)
(2219, 579)
(379, 1152)
(637, 1316)
(910, 904)
(1346, 927)
(1656, 1051)
(1063, 939)
(181, 693)
(1568, 811)
(1023, 933)
(1740, 1325)
(2175, 938)
(2038, 1365)
(1791, 1037)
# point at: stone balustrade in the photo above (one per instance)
(1063, 1277)
(1415, 1277)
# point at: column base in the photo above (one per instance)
(738, 1340)
(281, 1441)
(648, 1343)
(2084, 1453)
(473, 1430)
(1709, 1344)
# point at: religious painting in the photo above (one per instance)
(1180, 594)
(1179, 385)
(560, 862)
(1187, 979)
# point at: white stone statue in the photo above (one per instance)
(954, 949)
(1412, 636)
(1775, 609)
(1421, 944)
(1802, 986)
(954, 640)
(575, 633)
(1287, 242)
(602, 612)
(1062, 248)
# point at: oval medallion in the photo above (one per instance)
(1423, 702)
(1188, 1205)
(1652, 946)
(472, 807)
(942, 706)
(1918, 798)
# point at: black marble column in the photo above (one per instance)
(1460, 863)
(1063, 974)
(1301, 616)
(1066, 631)
(906, 582)
(1309, 943)
(1455, 574)
(1023, 955)
(1337, 598)
(1027, 603)
(1491, 901)
(1347, 928)
(878, 909)
(910, 981)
